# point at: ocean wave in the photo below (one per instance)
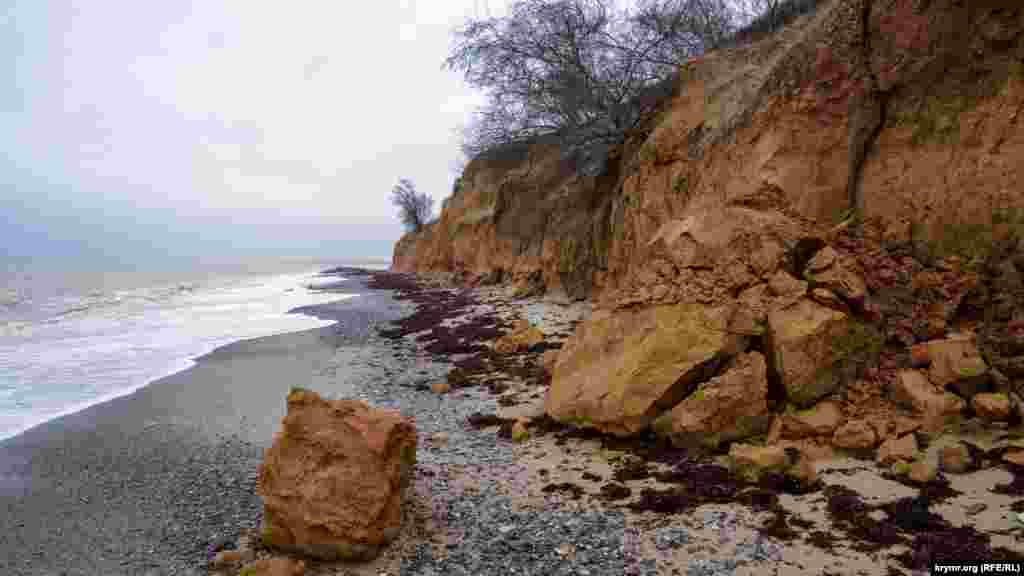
(15, 328)
(74, 351)
(326, 284)
(89, 304)
(10, 298)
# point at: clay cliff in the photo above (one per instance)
(722, 244)
(522, 214)
(913, 108)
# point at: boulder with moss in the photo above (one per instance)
(333, 480)
(622, 369)
(729, 407)
(814, 349)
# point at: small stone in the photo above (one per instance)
(782, 284)
(991, 407)
(519, 431)
(821, 419)
(275, 567)
(440, 438)
(955, 459)
(226, 558)
(854, 435)
(823, 259)
(975, 509)
(919, 357)
(752, 461)
(671, 537)
(840, 275)
(922, 471)
(894, 449)
(1015, 457)
(440, 387)
(957, 363)
(901, 468)
(826, 297)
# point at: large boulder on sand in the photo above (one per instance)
(332, 483)
(726, 408)
(814, 348)
(621, 369)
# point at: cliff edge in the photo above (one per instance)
(800, 212)
(907, 110)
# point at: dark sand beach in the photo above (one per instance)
(144, 483)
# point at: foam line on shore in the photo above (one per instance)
(30, 421)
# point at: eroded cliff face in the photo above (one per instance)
(523, 216)
(909, 109)
(740, 204)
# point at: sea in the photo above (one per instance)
(69, 340)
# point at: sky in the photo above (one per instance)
(134, 133)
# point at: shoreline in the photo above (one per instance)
(560, 501)
(144, 482)
(187, 363)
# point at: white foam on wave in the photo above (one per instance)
(13, 424)
(9, 297)
(66, 364)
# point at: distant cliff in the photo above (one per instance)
(911, 110)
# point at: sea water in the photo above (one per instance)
(72, 340)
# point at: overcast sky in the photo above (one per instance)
(132, 132)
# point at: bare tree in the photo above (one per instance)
(581, 70)
(414, 208)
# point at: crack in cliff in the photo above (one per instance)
(867, 122)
